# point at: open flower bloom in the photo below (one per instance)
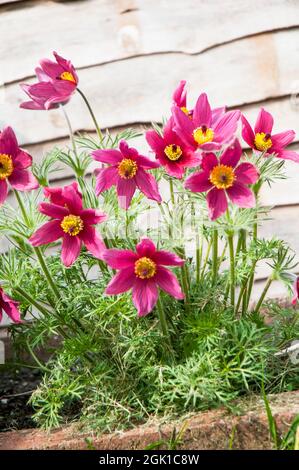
(71, 222)
(222, 178)
(143, 271)
(262, 139)
(13, 165)
(57, 81)
(127, 171)
(171, 151)
(202, 130)
(295, 291)
(10, 307)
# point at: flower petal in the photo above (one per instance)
(202, 114)
(120, 259)
(11, 309)
(179, 96)
(240, 195)
(155, 141)
(3, 191)
(23, 180)
(22, 160)
(106, 177)
(146, 247)
(264, 122)
(148, 185)
(111, 156)
(232, 154)
(71, 247)
(146, 163)
(226, 126)
(93, 216)
(283, 139)
(125, 191)
(47, 233)
(8, 142)
(121, 282)
(198, 182)
(209, 161)
(289, 155)
(184, 126)
(145, 295)
(246, 173)
(53, 210)
(167, 281)
(93, 242)
(217, 203)
(167, 258)
(247, 132)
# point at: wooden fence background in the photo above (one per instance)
(131, 54)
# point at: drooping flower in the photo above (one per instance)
(57, 81)
(202, 130)
(14, 164)
(171, 151)
(224, 178)
(262, 139)
(71, 222)
(10, 307)
(127, 171)
(143, 271)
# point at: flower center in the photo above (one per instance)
(145, 268)
(222, 176)
(203, 134)
(127, 168)
(262, 141)
(72, 224)
(68, 76)
(6, 166)
(173, 152)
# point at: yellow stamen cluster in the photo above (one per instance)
(6, 166)
(262, 141)
(203, 134)
(72, 224)
(68, 76)
(127, 168)
(222, 176)
(173, 152)
(145, 268)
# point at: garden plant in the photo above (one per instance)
(138, 276)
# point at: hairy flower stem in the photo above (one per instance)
(71, 133)
(163, 322)
(198, 256)
(22, 207)
(263, 295)
(230, 239)
(250, 284)
(171, 192)
(215, 256)
(98, 129)
(206, 258)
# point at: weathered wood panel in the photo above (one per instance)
(96, 31)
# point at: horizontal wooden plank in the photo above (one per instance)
(139, 89)
(109, 30)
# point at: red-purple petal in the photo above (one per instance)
(264, 122)
(241, 195)
(198, 182)
(23, 180)
(232, 154)
(93, 242)
(71, 247)
(47, 233)
(125, 191)
(53, 210)
(217, 203)
(111, 156)
(246, 173)
(106, 177)
(247, 132)
(120, 259)
(282, 139)
(8, 142)
(167, 281)
(148, 185)
(146, 247)
(3, 191)
(145, 295)
(167, 258)
(121, 282)
(202, 114)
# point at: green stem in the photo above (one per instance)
(198, 241)
(22, 207)
(206, 258)
(71, 133)
(263, 295)
(40, 365)
(98, 129)
(163, 321)
(185, 285)
(46, 271)
(250, 284)
(215, 256)
(230, 239)
(171, 192)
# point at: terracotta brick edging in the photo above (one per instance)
(206, 430)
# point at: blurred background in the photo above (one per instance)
(130, 56)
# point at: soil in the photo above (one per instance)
(16, 387)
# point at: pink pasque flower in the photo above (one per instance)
(179, 99)
(171, 151)
(57, 81)
(143, 271)
(10, 307)
(222, 178)
(127, 171)
(71, 222)
(263, 140)
(14, 162)
(295, 290)
(202, 130)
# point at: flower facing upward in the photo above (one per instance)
(10, 307)
(57, 81)
(262, 139)
(202, 130)
(171, 151)
(14, 164)
(127, 171)
(71, 222)
(222, 178)
(143, 271)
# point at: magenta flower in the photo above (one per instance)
(10, 307)
(127, 171)
(171, 151)
(222, 178)
(263, 140)
(295, 291)
(143, 271)
(57, 81)
(14, 162)
(203, 130)
(71, 222)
